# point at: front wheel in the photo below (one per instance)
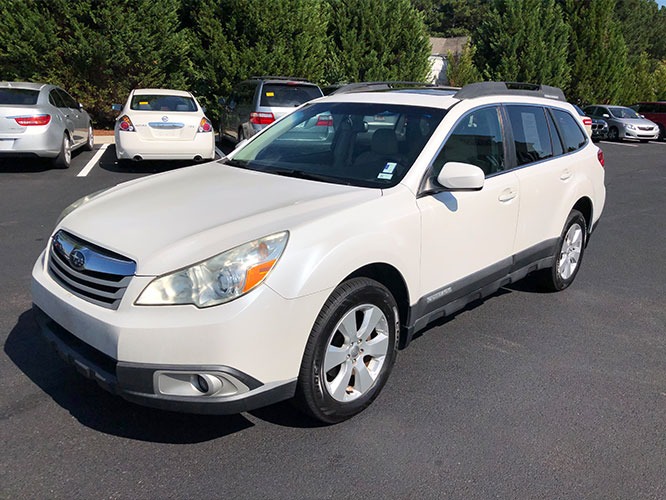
(350, 352)
(569, 255)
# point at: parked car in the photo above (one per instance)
(624, 123)
(298, 264)
(655, 112)
(42, 120)
(163, 124)
(259, 101)
(596, 128)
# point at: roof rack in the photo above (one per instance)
(387, 85)
(481, 89)
(270, 77)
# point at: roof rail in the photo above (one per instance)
(270, 77)
(481, 89)
(386, 85)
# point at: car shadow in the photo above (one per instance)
(109, 162)
(31, 165)
(99, 410)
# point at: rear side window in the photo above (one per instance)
(26, 97)
(287, 95)
(573, 136)
(477, 139)
(67, 99)
(147, 102)
(530, 133)
(55, 99)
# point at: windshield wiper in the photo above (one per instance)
(300, 174)
(234, 163)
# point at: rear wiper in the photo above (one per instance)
(300, 174)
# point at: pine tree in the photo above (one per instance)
(376, 40)
(462, 70)
(525, 41)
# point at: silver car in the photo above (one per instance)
(42, 120)
(624, 123)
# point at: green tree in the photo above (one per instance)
(376, 40)
(526, 41)
(597, 53)
(451, 18)
(462, 70)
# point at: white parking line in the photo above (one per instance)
(620, 144)
(86, 170)
(219, 152)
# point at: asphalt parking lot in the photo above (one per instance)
(526, 395)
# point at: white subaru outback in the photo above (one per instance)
(297, 266)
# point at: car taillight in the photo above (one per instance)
(35, 120)
(126, 124)
(587, 121)
(600, 157)
(324, 121)
(205, 125)
(261, 118)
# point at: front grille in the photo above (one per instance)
(88, 271)
(645, 128)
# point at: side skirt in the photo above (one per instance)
(455, 296)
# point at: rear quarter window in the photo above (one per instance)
(572, 135)
(287, 95)
(25, 97)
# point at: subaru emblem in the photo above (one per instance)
(165, 118)
(77, 259)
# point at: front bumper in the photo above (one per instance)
(251, 347)
(639, 134)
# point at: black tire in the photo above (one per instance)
(354, 300)
(561, 275)
(614, 135)
(90, 143)
(64, 158)
(662, 133)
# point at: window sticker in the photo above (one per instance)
(270, 94)
(143, 103)
(383, 175)
(389, 167)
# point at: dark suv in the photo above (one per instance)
(259, 101)
(653, 111)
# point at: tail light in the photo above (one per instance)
(205, 125)
(324, 121)
(600, 157)
(35, 120)
(261, 118)
(125, 124)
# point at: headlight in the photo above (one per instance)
(219, 279)
(79, 203)
(630, 126)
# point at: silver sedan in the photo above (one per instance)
(42, 120)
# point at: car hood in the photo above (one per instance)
(172, 220)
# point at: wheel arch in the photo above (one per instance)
(584, 206)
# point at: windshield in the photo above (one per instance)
(288, 95)
(359, 144)
(26, 97)
(620, 112)
(145, 102)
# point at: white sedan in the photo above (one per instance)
(163, 124)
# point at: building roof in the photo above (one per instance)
(442, 46)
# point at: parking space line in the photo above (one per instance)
(86, 170)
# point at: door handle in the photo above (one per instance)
(507, 195)
(566, 174)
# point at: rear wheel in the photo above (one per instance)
(350, 352)
(569, 255)
(64, 158)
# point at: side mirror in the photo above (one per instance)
(241, 144)
(642, 116)
(80, 107)
(117, 107)
(606, 115)
(456, 175)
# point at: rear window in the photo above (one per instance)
(145, 102)
(287, 95)
(25, 97)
